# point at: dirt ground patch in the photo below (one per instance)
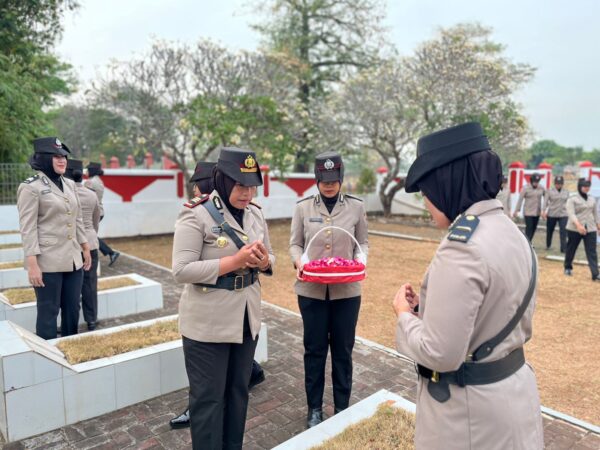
(563, 351)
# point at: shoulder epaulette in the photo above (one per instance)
(31, 179)
(256, 204)
(192, 203)
(305, 198)
(463, 228)
(353, 197)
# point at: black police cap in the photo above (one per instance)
(329, 167)
(95, 168)
(582, 182)
(559, 179)
(442, 147)
(75, 164)
(202, 171)
(241, 165)
(535, 178)
(50, 145)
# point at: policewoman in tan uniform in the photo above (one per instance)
(95, 183)
(532, 196)
(90, 210)
(583, 225)
(555, 211)
(219, 309)
(329, 312)
(54, 241)
(474, 311)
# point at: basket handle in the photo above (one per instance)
(361, 255)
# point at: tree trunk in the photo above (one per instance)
(386, 196)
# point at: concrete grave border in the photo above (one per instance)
(112, 303)
(11, 254)
(14, 278)
(338, 423)
(10, 238)
(41, 391)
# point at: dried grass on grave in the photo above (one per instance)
(91, 347)
(7, 246)
(390, 428)
(27, 295)
(11, 265)
(9, 232)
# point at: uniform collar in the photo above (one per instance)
(484, 206)
(248, 216)
(336, 209)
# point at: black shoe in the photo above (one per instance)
(596, 279)
(182, 421)
(113, 258)
(256, 378)
(315, 417)
(568, 272)
(337, 410)
(91, 326)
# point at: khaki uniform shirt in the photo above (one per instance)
(310, 216)
(533, 200)
(96, 185)
(555, 202)
(504, 197)
(584, 211)
(468, 295)
(51, 223)
(90, 209)
(208, 314)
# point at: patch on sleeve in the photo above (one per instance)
(31, 179)
(463, 228)
(192, 203)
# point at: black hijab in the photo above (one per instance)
(455, 187)
(582, 183)
(330, 202)
(206, 185)
(224, 185)
(43, 163)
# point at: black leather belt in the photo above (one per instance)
(471, 374)
(233, 282)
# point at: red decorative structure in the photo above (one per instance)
(382, 169)
(298, 185)
(168, 164)
(130, 162)
(148, 160)
(516, 176)
(265, 173)
(128, 186)
(114, 162)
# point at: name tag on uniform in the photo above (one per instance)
(46, 191)
(316, 219)
(216, 230)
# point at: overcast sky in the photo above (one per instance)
(560, 38)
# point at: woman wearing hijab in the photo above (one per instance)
(54, 240)
(203, 183)
(329, 312)
(474, 311)
(220, 247)
(583, 225)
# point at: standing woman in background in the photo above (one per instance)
(555, 211)
(54, 239)
(583, 225)
(532, 195)
(504, 197)
(329, 312)
(221, 246)
(95, 184)
(90, 208)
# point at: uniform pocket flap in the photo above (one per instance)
(47, 241)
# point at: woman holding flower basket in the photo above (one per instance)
(328, 246)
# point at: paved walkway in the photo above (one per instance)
(277, 407)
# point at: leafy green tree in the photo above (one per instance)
(323, 41)
(30, 75)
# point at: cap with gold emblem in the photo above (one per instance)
(50, 145)
(329, 167)
(241, 165)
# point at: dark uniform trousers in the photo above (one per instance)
(328, 323)
(219, 374)
(89, 291)
(531, 223)
(562, 226)
(589, 243)
(61, 292)
(104, 248)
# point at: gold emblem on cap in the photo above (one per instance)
(221, 241)
(329, 164)
(250, 164)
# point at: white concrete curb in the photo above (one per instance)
(11, 254)
(14, 278)
(10, 238)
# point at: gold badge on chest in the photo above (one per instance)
(222, 241)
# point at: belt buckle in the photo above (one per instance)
(235, 283)
(435, 376)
